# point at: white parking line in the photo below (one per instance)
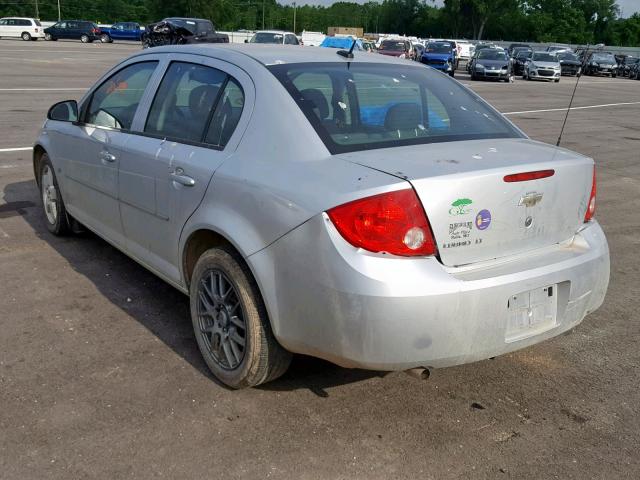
(572, 108)
(41, 89)
(18, 149)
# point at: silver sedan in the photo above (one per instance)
(364, 210)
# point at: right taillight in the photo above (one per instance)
(392, 222)
(591, 206)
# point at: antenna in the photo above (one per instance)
(584, 63)
(348, 54)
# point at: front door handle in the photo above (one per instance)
(179, 177)
(107, 157)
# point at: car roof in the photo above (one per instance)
(267, 54)
(275, 31)
(17, 18)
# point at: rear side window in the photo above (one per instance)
(115, 102)
(37, 22)
(360, 106)
(197, 104)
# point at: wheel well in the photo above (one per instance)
(38, 151)
(199, 242)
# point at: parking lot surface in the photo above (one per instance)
(100, 376)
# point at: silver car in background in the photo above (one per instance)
(393, 220)
(542, 66)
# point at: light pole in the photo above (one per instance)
(262, 14)
(294, 17)
(37, 12)
(59, 17)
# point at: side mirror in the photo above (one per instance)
(66, 111)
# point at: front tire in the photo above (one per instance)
(26, 36)
(55, 214)
(49, 38)
(230, 322)
(84, 38)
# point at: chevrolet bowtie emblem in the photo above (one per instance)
(530, 199)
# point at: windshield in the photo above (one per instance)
(362, 106)
(604, 57)
(568, 56)
(524, 54)
(488, 54)
(393, 46)
(266, 37)
(544, 57)
(438, 48)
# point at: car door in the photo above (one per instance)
(91, 149)
(117, 31)
(187, 135)
(12, 28)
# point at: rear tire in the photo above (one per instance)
(55, 213)
(104, 38)
(230, 322)
(26, 36)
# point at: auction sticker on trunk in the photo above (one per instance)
(461, 206)
(483, 219)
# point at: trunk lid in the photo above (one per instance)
(474, 213)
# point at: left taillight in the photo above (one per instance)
(392, 222)
(591, 206)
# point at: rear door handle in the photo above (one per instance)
(179, 177)
(107, 157)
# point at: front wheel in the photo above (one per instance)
(26, 36)
(452, 73)
(230, 322)
(84, 38)
(48, 37)
(55, 213)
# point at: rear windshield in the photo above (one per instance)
(264, 37)
(362, 106)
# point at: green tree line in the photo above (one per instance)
(566, 21)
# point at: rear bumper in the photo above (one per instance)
(371, 311)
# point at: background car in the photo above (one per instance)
(418, 50)
(313, 248)
(542, 66)
(478, 47)
(121, 31)
(520, 61)
(570, 64)
(399, 47)
(439, 55)
(514, 47)
(624, 67)
(276, 37)
(81, 30)
(181, 31)
(601, 63)
(21, 27)
(492, 64)
(466, 50)
(312, 39)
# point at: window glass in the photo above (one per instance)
(38, 23)
(60, 25)
(291, 40)
(360, 106)
(114, 103)
(11, 22)
(185, 100)
(227, 114)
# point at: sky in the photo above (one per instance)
(628, 7)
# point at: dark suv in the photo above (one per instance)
(81, 30)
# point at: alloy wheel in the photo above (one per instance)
(49, 195)
(221, 319)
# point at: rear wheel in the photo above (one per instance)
(55, 213)
(105, 38)
(26, 36)
(231, 324)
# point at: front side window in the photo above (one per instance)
(362, 106)
(115, 102)
(185, 102)
(291, 40)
